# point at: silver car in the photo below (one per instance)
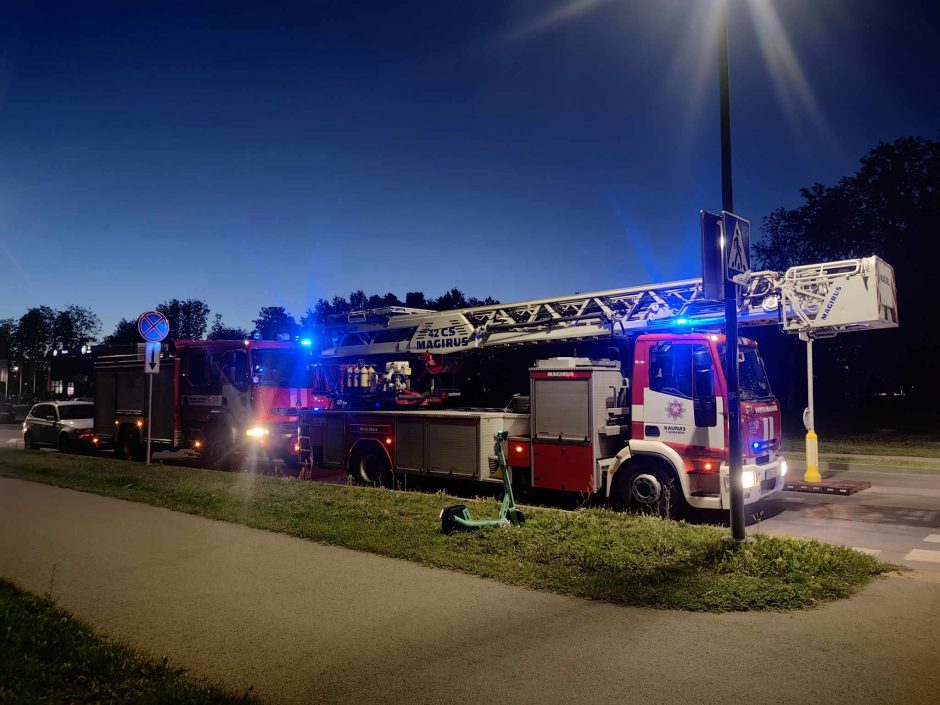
(66, 425)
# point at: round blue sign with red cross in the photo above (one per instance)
(153, 326)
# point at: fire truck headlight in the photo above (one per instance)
(783, 468)
(748, 479)
(257, 432)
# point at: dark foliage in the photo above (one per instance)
(889, 207)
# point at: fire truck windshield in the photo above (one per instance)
(281, 367)
(752, 375)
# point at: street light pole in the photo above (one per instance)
(731, 297)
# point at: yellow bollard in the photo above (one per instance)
(812, 458)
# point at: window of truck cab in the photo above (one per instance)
(752, 377)
(281, 367)
(673, 366)
(195, 373)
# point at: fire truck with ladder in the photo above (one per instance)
(221, 399)
(617, 393)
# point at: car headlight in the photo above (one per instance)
(783, 468)
(257, 432)
(748, 479)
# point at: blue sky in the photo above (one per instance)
(269, 154)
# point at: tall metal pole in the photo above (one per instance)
(731, 298)
(811, 474)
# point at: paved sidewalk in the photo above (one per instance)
(306, 623)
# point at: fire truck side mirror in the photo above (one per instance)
(703, 401)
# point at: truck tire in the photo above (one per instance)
(291, 464)
(128, 445)
(217, 453)
(370, 466)
(647, 487)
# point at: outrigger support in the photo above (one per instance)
(457, 517)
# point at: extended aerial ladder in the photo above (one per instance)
(814, 301)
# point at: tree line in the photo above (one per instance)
(32, 337)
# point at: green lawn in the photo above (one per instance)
(48, 656)
(593, 553)
(905, 448)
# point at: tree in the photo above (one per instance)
(188, 319)
(124, 332)
(7, 337)
(889, 207)
(273, 322)
(35, 333)
(220, 331)
(415, 299)
(357, 300)
(35, 336)
(75, 326)
(450, 300)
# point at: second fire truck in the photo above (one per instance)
(618, 393)
(218, 398)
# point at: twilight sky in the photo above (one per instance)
(256, 155)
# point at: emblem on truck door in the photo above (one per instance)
(675, 409)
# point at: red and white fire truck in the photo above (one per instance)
(214, 397)
(620, 393)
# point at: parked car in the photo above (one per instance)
(66, 425)
(7, 413)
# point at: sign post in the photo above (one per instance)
(153, 328)
(713, 257)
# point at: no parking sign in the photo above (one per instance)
(153, 326)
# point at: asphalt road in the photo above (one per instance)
(10, 432)
(302, 622)
(896, 519)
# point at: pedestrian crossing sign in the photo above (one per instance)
(736, 244)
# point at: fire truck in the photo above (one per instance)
(619, 393)
(216, 398)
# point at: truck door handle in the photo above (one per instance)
(652, 430)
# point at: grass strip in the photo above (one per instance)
(875, 444)
(48, 656)
(596, 554)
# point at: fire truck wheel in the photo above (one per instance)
(371, 467)
(128, 446)
(648, 488)
(216, 454)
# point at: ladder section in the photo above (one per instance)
(818, 300)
